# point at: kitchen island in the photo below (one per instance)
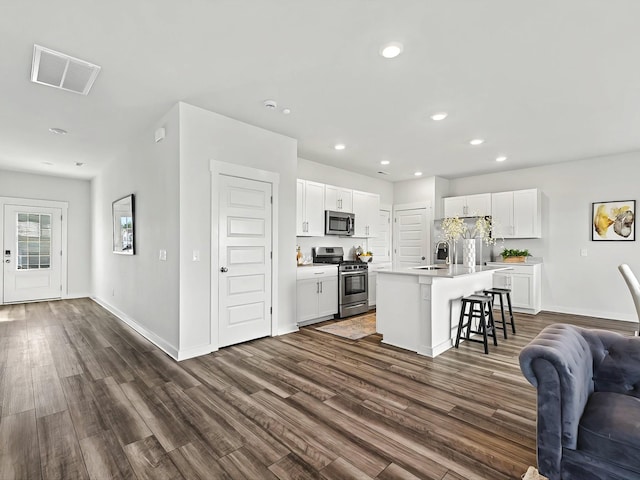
(418, 308)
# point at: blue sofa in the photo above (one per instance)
(588, 384)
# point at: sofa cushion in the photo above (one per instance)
(610, 429)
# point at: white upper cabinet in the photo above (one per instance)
(309, 209)
(366, 208)
(517, 214)
(338, 199)
(468, 206)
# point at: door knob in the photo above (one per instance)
(423, 258)
(224, 269)
(7, 261)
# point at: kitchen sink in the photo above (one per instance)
(431, 267)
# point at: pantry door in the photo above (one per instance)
(32, 253)
(411, 233)
(244, 259)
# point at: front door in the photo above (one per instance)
(244, 255)
(411, 234)
(32, 253)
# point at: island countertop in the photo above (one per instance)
(443, 271)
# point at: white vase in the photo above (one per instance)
(469, 252)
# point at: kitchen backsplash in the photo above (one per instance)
(348, 244)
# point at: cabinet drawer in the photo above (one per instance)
(514, 268)
(304, 273)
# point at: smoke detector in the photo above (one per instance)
(62, 71)
(270, 104)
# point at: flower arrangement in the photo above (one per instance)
(455, 228)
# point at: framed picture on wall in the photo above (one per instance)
(124, 226)
(613, 221)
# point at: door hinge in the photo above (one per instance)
(271, 255)
(60, 287)
(60, 217)
(271, 199)
(270, 310)
(60, 252)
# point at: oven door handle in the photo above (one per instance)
(361, 272)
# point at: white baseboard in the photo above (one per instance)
(152, 337)
(71, 296)
(590, 313)
(287, 329)
(192, 352)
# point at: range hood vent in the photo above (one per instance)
(58, 70)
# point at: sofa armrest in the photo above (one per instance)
(564, 348)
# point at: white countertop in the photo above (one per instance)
(451, 271)
(511, 264)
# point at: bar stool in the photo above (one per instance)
(480, 308)
(507, 293)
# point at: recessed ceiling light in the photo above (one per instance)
(418, 174)
(391, 50)
(58, 131)
(385, 162)
(501, 158)
(439, 116)
(47, 163)
(286, 111)
(339, 146)
(477, 141)
(79, 164)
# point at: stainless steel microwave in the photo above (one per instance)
(339, 223)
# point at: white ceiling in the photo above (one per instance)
(542, 81)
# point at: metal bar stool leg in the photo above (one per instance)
(462, 309)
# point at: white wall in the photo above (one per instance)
(141, 288)
(317, 172)
(208, 136)
(571, 283)
(430, 189)
(78, 195)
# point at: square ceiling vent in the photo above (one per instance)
(62, 71)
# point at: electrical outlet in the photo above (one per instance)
(162, 256)
(583, 252)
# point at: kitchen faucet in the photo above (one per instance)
(441, 242)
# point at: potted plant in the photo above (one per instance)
(513, 255)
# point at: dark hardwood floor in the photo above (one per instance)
(83, 396)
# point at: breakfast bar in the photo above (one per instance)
(418, 307)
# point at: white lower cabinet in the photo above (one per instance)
(373, 279)
(317, 293)
(525, 283)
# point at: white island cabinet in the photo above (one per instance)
(418, 310)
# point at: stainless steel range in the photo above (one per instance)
(353, 278)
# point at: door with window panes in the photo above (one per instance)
(32, 253)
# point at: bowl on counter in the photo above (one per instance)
(365, 258)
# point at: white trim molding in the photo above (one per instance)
(231, 169)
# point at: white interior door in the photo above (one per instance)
(411, 237)
(380, 246)
(32, 253)
(244, 256)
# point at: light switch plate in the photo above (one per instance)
(196, 255)
(583, 252)
(163, 255)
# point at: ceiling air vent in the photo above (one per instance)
(62, 71)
